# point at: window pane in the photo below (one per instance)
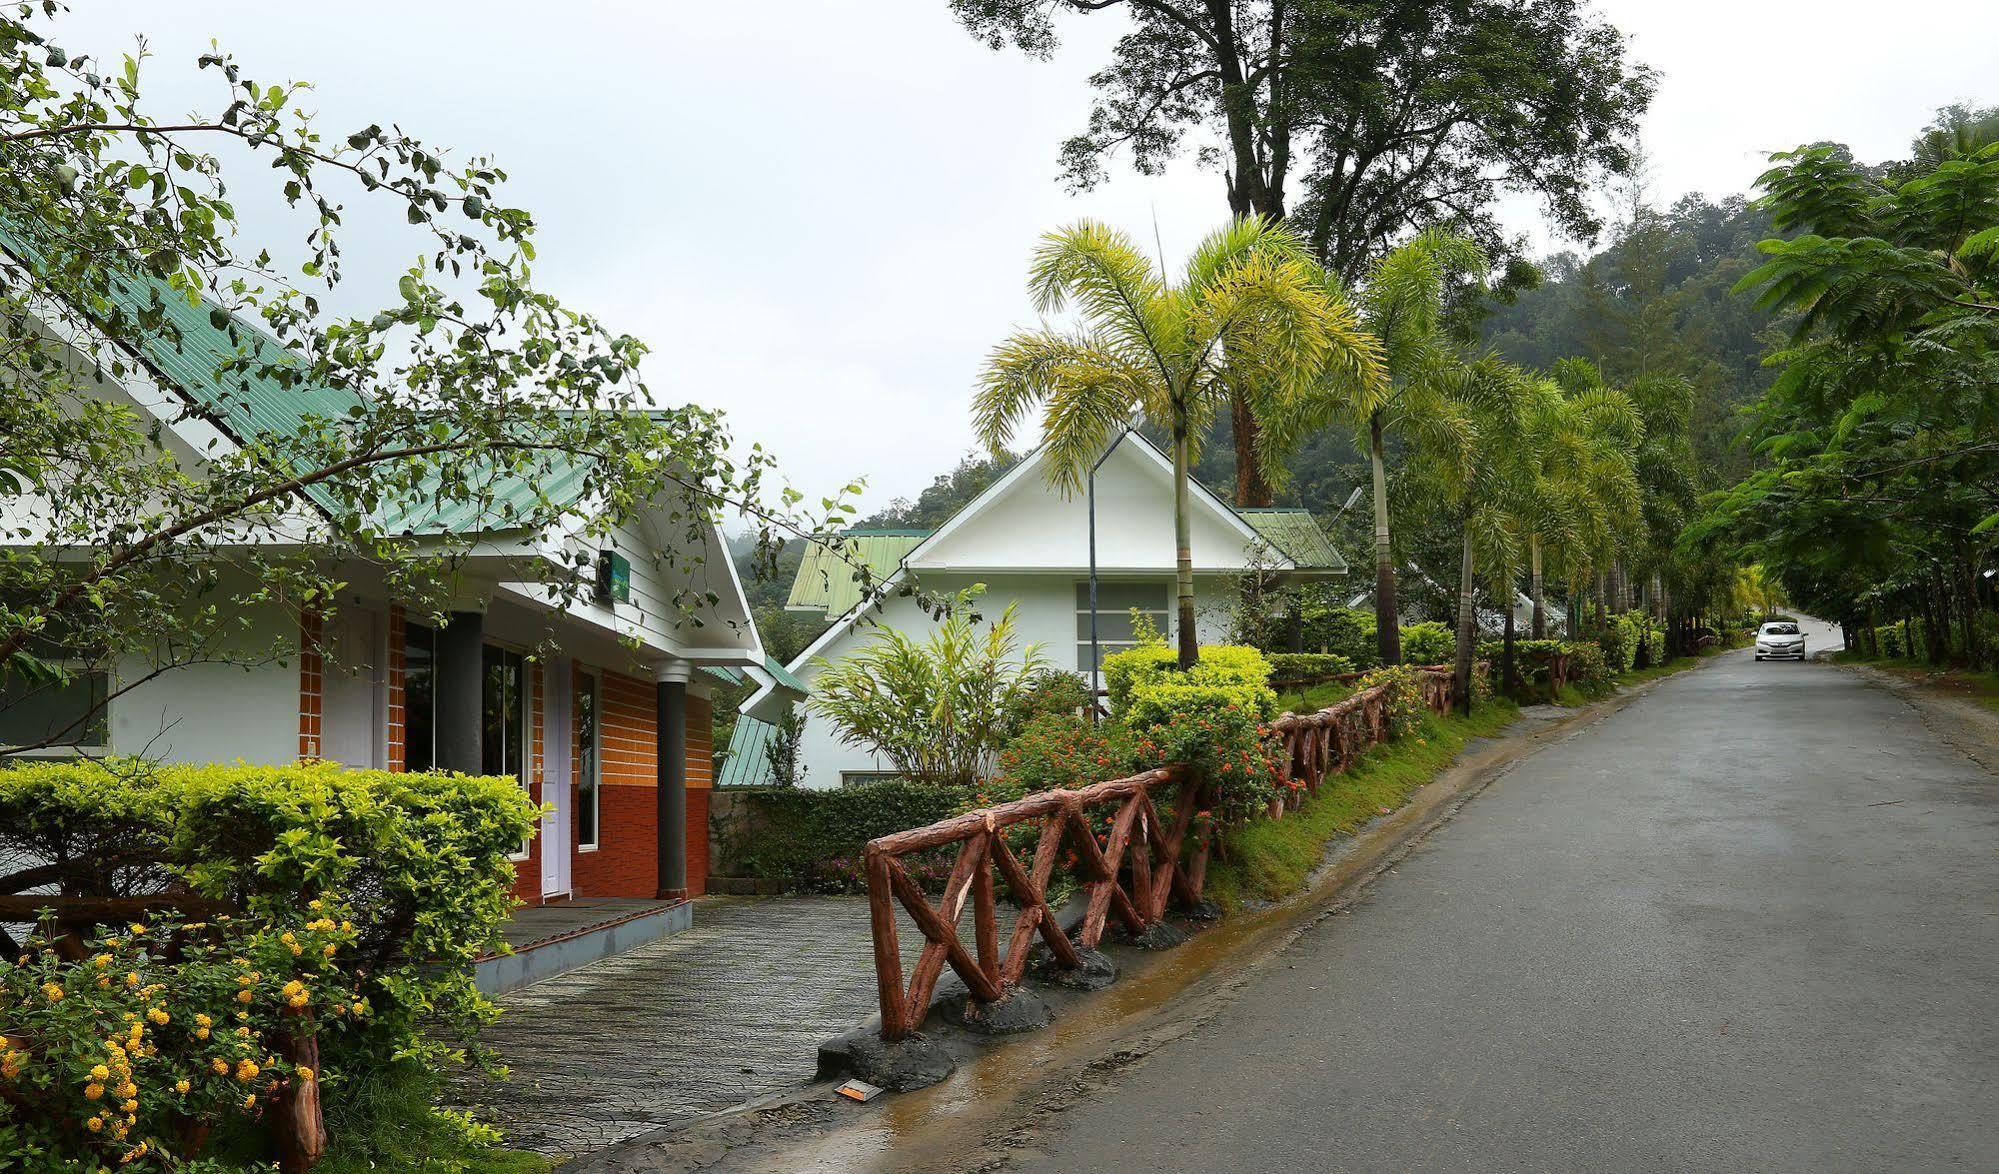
(586, 760)
(419, 697)
(1116, 625)
(500, 713)
(1122, 597)
(71, 711)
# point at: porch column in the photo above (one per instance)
(670, 693)
(460, 694)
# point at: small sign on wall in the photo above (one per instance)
(614, 577)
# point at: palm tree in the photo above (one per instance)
(1251, 315)
(1583, 436)
(1403, 305)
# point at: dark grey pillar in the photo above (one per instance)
(672, 704)
(459, 684)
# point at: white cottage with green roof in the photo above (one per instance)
(1029, 545)
(597, 706)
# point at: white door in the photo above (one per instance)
(555, 743)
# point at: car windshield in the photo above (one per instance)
(1780, 629)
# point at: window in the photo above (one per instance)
(589, 743)
(503, 713)
(57, 712)
(1115, 604)
(67, 713)
(419, 697)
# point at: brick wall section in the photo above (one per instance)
(626, 862)
(311, 684)
(397, 755)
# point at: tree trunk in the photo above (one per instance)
(1251, 490)
(1466, 633)
(1536, 590)
(1387, 632)
(1183, 544)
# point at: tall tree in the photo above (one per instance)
(1382, 116)
(1250, 314)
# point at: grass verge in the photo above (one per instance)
(1313, 699)
(389, 1121)
(1980, 685)
(1270, 859)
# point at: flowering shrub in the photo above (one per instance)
(358, 900)
(1222, 745)
(166, 1033)
(1060, 751)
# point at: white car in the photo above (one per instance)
(1780, 640)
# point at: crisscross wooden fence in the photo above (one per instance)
(1140, 865)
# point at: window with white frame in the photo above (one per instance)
(1119, 605)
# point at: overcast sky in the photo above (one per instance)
(818, 212)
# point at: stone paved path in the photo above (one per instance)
(728, 1011)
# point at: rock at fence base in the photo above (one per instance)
(1021, 1010)
(909, 1063)
(1093, 971)
(1160, 935)
(1203, 910)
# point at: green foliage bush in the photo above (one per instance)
(1049, 691)
(1325, 626)
(1290, 668)
(1209, 717)
(361, 899)
(1429, 642)
(812, 840)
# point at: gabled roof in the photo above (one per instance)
(828, 580)
(228, 368)
(1295, 533)
(746, 763)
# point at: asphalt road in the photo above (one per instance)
(1751, 922)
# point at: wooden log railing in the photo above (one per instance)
(1139, 865)
(1129, 874)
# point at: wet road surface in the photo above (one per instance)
(1749, 922)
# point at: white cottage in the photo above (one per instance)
(1029, 545)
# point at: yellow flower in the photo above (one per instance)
(52, 992)
(250, 1102)
(136, 928)
(220, 1065)
(296, 949)
(315, 903)
(244, 996)
(287, 937)
(101, 961)
(298, 1000)
(92, 1091)
(132, 978)
(201, 1033)
(329, 949)
(181, 1085)
(201, 1020)
(249, 979)
(103, 982)
(129, 1107)
(100, 1072)
(94, 1124)
(127, 1091)
(305, 1073)
(158, 1016)
(246, 1070)
(244, 1032)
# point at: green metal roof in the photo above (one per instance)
(229, 373)
(1296, 534)
(735, 676)
(829, 580)
(746, 764)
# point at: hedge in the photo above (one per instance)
(357, 901)
(1292, 668)
(813, 839)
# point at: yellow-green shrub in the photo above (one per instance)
(405, 877)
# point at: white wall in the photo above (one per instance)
(1046, 614)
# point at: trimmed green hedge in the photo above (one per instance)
(1289, 668)
(813, 840)
(1427, 643)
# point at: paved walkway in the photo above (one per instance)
(1748, 923)
(728, 1011)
